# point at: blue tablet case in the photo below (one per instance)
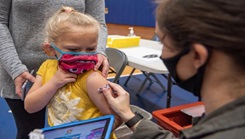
(95, 128)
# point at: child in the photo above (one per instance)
(68, 85)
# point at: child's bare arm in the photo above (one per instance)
(39, 95)
(94, 82)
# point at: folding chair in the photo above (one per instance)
(118, 61)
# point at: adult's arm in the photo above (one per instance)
(148, 130)
(96, 8)
(120, 104)
(9, 58)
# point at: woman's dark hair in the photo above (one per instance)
(218, 24)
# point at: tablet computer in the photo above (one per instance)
(95, 128)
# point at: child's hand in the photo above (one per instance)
(62, 77)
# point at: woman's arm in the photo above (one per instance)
(144, 129)
(94, 82)
(96, 8)
(9, 58)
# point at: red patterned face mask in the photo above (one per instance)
(77, 63)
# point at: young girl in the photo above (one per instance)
(68, 85)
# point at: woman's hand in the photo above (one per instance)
(19, 80)
(121, 103)
(102, 61)
(62, 77)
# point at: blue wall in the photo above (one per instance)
(131, 12)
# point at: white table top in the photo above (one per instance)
(146, 47)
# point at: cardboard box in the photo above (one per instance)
(123, 42)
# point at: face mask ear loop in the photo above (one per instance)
(58, 58)
(58, 50)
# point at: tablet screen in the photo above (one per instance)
(97, 128)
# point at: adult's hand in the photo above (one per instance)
(119, 104)
(102, 61)
(19, 80)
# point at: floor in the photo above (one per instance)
(153, 97)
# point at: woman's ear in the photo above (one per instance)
(48, 49)
(200, 55)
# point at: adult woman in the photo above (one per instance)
(203, 51)
(21, 35)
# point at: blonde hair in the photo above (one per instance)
(65, 17)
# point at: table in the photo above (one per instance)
(153, 65)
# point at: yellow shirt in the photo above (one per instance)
(71, 102)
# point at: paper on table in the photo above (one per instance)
(194, 111)
(142, 52)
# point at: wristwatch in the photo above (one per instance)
(134, 120)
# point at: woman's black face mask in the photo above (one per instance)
(194, 83)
